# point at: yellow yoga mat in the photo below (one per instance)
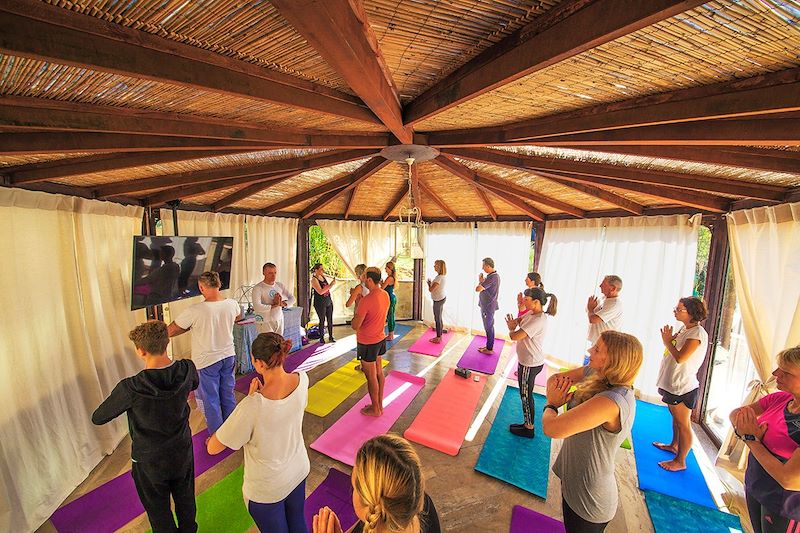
(330, 391)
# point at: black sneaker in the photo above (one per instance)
(512, 426)
(331, 339)
(522, 432)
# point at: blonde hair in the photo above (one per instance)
(210, 279)
(390, 266)
(790, 356)
(388, 479)
(442, 266)
(625, 355)
(360, 268)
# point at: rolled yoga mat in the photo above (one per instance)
(522, 462)
(116, 502)
(480, 362)
(424, 345)
(654, 423)
(343, 439)
(524, 520)
(335, 492)
(444, 419)
(326, 394)
(671, 515)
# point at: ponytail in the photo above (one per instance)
(553, 305)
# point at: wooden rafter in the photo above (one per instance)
(607, 196)
(396, 201)
(340, 33)
(249, 190)
(654, 177)
(465, 173)
(518, 203)
(349, 206)
(182, 193)
(597, 23)
(350, 182)
(36, 30)
(486, 202)
(303, 196)
(437, 200)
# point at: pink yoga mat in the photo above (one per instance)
(524, 520)
(424, 346)
(480, 362)
(343, 439)
(444, 419)
(541, 377)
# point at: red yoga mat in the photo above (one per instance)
(444, 419)
(424, 345)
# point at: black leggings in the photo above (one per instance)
(765, 521)
(575, 524)
(324, 309)
(526, 376)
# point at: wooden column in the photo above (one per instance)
(418, 280)
(537, 251)
(149, 221)
(303, 278)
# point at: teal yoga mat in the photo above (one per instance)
(653, 423)
(524, 463)
(671, 515)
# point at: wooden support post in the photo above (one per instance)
(303, 278)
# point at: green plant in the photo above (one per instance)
(321, 251)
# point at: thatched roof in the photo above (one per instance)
(540, 109)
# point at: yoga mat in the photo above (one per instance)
(116, 502)
(654, 423)
(524, 520)
(335, 492)
(343, 439)
(524, 463)
(444, 419)
(424, 346)
(541, 377)
(671, 515)
(400, 331)
(477, 361)
(326, 394)
(243, 382)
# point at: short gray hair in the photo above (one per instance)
(488, 261)
(614, 280)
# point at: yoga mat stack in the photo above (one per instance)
(424, 345)
(480, 362)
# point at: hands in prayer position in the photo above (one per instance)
(558, 390)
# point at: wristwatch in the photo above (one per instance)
(550, 406)
(746, 436)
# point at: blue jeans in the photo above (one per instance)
(488, 327)
(214, 396)
(285, 516)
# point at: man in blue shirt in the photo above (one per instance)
(488, 288)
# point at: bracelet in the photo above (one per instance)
(550, 406)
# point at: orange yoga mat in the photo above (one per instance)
(444, 419)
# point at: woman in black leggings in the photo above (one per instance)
(323, 303)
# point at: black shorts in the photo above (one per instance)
(689, 399)
(369, 353)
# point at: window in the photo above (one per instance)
(321, 251)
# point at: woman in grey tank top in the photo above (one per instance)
(599, 417)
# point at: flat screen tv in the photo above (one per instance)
(166, 269)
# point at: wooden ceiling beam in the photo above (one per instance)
(596, 23)
(396, 201)
(486, 202)
(22, 114)
(608, 170)
(438, 201)
(353, 180)
(183, 192)
(249, 190)
(340, 33)
(607, 196)
(49, 33)
(519, 203)
(468, 175)
(318, 190)
(349, 207)
(258, 171)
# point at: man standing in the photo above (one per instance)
(488, 288)
(606, 314)
(269, 299)
(211, 322)
(368, 323)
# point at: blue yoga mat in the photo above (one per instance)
(671, 515)
(653, 423)
(524, 463)
(399, 332)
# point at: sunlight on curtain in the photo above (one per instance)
(273, 240)
(371, 243)
(66, 293)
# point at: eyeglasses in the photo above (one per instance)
(679, 309)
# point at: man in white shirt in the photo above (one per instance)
(269, 299)
(605, 314)
(211, 322)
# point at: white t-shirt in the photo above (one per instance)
(212, 330)
(680, 378)
(610, 310)
(438, 293)
(529, 349)
(271, 431)
(264, 295)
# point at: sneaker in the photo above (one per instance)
(522, 432)
(331, 339)
(512, 426)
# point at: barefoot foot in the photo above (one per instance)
(672, 466)
(666, 447)
(370, 411)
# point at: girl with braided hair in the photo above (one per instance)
(388, 492)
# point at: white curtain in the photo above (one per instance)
(203, 224)
(654, 256)
(63, 339)
(273, 240)
(371, 243)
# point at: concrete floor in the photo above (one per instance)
(466, 500)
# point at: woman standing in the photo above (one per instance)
(269, 425)
(388, 492)
(323, 303)
(532, 281)
(436, 288)
(528, 330)
(360, 290)
(770, 428)
(599, 418)
(388, 286)
(677, 378)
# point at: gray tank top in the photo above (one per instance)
(585, 463)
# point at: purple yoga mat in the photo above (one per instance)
(243, 383)
(115, 503)
(343, 439)
(477, 361)
(541, 377)
(334, 492)
(524, 520)
(423, 345)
